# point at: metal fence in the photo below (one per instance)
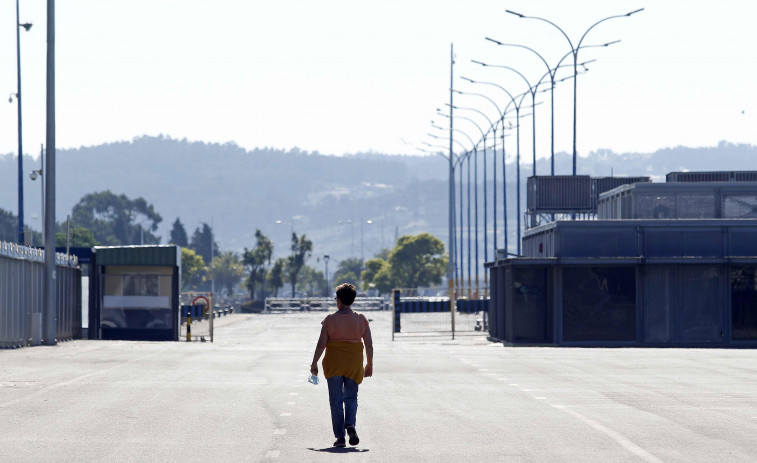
(289, 304)
(426, 312)
(22, 293)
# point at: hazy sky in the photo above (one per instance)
(341, 76)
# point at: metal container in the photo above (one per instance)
(720, 176)
(559, 193)
(600, 185)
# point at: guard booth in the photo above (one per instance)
(137, 295)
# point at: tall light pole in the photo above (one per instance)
(326, 261)
(26, 27)
(49, 316)
(532, 89)
(453, 251)
(574, 52)
(459, 161)
(369, 222)
(492, 128)
(475, 176)
(551, 72)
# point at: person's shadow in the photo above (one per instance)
(339, 450)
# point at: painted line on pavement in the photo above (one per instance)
(617, 437)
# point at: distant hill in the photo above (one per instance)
(239, 191)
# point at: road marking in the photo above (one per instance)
(502, 379)
(294, 393)
(286, 414)
(625, 443)
(272, 454)
(290, 403)
(540, 398)
(483, 369)
(279, 431)
(513, 384)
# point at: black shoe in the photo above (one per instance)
(340, 442)
(354, 440)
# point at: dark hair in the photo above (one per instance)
(346, 293)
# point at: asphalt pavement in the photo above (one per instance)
(245, 397)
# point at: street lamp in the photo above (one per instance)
(492, 128)
(532, 89)
(574, 52)
(517, 102)
(460, 160)
(26, 27)
(369, 222)
(475, 176)
(551, 71)
(453, 161)
(326, 261)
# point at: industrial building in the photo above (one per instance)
(654, 264)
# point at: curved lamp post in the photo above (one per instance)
(460, 161)
(532, 89)
(475, 176)
(493, 128)
(452, 160)
(551, 72)
(26, 27)
(517, 102)
(574, 52)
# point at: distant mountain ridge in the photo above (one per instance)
(238, 190)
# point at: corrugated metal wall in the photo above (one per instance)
(22, 293)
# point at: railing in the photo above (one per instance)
(22, 294)
(288, 304)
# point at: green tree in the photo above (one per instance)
(348, 271)
(275, 275)
(116, 219)
(417, 260)
(80, 238)
(192, 269)
(203, 243)
(179, 234)
(311, 281)
(9, 230)
(8, 226)
(383, 254)
(372, 268)
(226, 270)
(301, 248)
(257, 261)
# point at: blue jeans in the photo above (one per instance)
(343, 402)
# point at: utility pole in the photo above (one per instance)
(50, 301)
(451, 224)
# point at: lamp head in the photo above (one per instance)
(33, 175)
(516, 14)
(26, 26)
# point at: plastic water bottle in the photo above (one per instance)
(313, 379)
